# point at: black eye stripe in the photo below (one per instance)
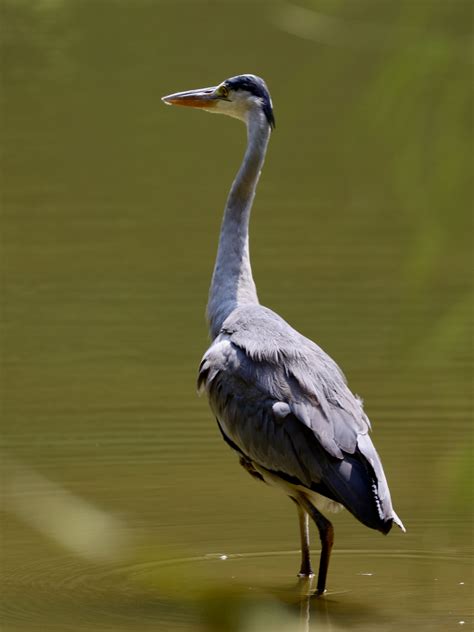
(249, 84)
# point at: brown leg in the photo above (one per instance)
(306, 570)
(326, 534)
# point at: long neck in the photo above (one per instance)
(232, 282)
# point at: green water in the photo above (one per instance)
(123, 509)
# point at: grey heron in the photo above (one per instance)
(280, 401)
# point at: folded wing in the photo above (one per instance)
(284, 404)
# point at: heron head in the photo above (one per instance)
(239, 97)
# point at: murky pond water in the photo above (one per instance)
(123, 509)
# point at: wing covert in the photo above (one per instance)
(285, 404)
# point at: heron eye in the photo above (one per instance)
(224, 91)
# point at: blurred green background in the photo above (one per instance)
(123, 509)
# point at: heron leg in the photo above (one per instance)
(326, 535)
(306, 570)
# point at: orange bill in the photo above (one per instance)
(202, 98)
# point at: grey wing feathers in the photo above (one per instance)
(284, 403)
(294, 369)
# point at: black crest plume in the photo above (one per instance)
(256, 86)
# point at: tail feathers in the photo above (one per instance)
(381, 492)
(351, 483)
(386, 526)
(354, 483)
(398, 522)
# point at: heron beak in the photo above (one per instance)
(202, 98)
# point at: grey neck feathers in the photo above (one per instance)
(232, 282)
